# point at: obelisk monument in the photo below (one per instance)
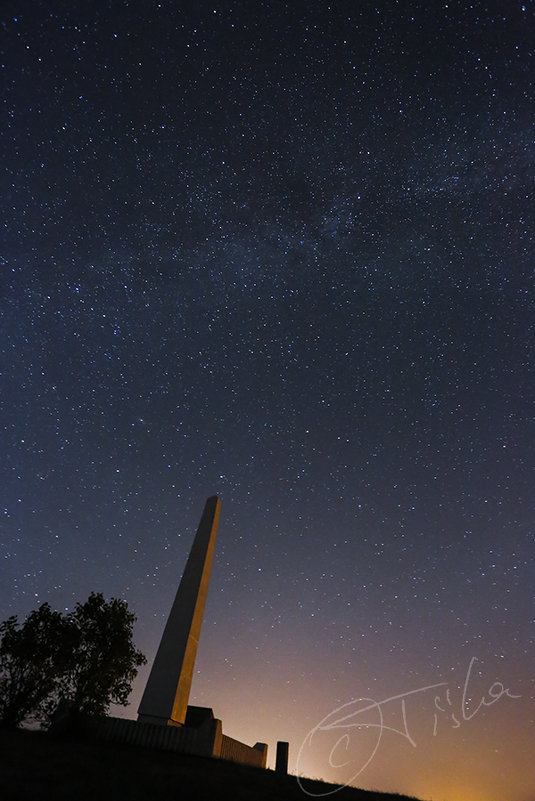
(165, 700)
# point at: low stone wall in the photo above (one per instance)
(202, 741)
(206, 739)
(235, 751)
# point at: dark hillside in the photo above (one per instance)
(36, 767)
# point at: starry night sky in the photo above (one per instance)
(283, 252)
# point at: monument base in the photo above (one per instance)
(200, 735)
(155, 721)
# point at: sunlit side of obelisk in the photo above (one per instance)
(165, 700)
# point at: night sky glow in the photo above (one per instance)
(283, 252)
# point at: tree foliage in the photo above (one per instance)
(86, 657)
(104, 660)
(31, 658)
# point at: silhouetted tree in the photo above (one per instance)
(104, 660)
(32, 657)
(86, 657)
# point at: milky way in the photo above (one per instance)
(283, 253)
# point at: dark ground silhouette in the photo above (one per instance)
(37, 767)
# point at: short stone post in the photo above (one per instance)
(281, 764)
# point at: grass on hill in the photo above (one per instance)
(37, 767)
